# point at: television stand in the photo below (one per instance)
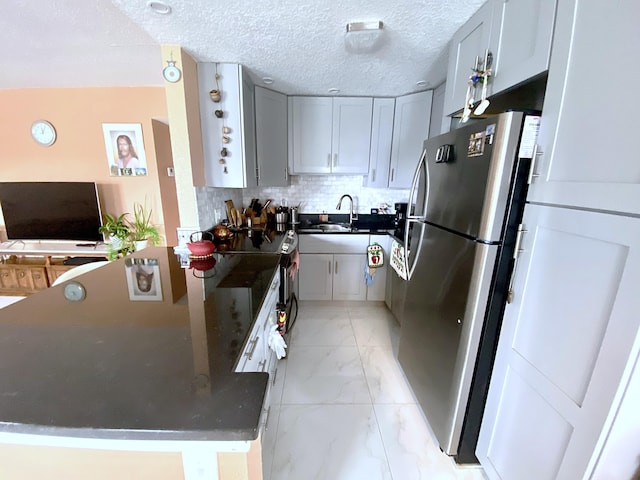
(31, 266)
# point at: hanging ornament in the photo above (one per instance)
(171, 73)
(216, 96)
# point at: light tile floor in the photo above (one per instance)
(341, 407)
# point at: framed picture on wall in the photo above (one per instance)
(143, 279)
(125, 149)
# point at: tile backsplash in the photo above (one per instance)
(314, 193)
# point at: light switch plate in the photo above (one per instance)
(184, 233)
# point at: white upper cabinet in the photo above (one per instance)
(381, 138)
(271, 137)
(410, 130)
(330, 135)
(588, 154)
(238, 168)
(468, 44)
(521, 35)
(517, 35)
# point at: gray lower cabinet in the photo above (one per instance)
(332, 267)
(569, 342)
(257, 356)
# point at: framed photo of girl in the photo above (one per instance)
(125, 149)
(143, 279)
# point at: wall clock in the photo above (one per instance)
(43, 133)
(74, 291)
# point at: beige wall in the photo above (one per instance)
(17, 463)
(186, 140)
(79, 152)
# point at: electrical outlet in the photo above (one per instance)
(184, 233)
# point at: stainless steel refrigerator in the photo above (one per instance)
(466, 203)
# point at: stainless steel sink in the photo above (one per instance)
(327, 227)
(333, 227)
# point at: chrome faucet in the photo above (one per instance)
(352, 215)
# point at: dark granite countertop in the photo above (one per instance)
(129, 364)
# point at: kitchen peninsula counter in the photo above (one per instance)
(132, 365)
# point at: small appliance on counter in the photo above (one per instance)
(293, 214)
(401, 215)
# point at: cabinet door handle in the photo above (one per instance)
(336, 267)
(329, 160)
(253, 348)
(532, 166)
(335, 159)
(373, 175)
(266, 422)
(263, 365)
(393, 171)
(329, 267)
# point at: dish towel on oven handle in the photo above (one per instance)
(375, 259)
(276, 342)
(398, 259)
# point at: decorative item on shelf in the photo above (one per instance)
(201, 244)
(221, 232)
(143, 232)
(481, 73)
(117, 229)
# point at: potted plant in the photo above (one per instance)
(142, 231)
(116, 228)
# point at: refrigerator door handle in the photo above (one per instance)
(417, 218)
(410, 265)
(422, 163)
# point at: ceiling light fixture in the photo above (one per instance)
(160, 8)
(363, 37)
(334, 90)
(267, 80)
(421, 83)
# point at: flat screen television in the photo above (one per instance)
(51, 211)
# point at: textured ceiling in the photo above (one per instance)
(300, 44)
